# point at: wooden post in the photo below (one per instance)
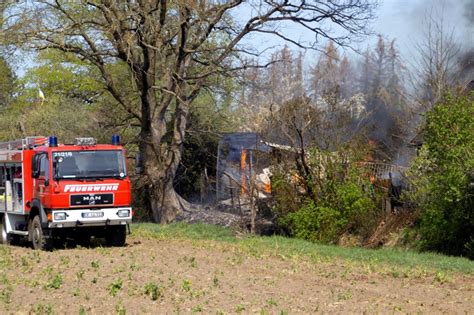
(202, 186)
(253, 212)
(231, 190)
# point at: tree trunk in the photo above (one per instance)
(165, 203)
(162, 200)
(160, 157)
(160, 160)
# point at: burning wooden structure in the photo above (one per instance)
(243, 171)
(242, 163)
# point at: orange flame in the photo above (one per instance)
(243, 167)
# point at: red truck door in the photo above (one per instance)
(41, 172)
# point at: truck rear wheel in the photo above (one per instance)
(116, 236)
(5, 237)
(38, 240)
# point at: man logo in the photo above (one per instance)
(91, 199)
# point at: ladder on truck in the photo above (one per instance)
(23, 144)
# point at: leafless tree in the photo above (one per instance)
(172, 48)
(439, 55)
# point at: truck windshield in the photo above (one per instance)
(89, 164)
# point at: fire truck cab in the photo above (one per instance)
(51, 191)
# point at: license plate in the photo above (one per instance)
(92, 214)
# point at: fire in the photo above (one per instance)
(243, 167)
(372, 178)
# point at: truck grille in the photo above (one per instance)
(92, 200)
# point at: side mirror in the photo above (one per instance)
(35, 167)
(56, 162)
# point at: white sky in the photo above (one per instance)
(402, 20)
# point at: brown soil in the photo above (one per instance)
(212, 277)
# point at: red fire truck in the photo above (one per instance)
(51, 191)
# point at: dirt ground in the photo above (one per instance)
(185, 276)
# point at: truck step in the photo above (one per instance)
(24, 233)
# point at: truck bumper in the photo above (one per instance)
(90, 217)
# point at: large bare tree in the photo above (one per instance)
(171, 49)
(436, 71)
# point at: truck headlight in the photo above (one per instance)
(123, 213)
(58, 216)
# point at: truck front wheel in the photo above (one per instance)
(38, 240)
(116, 236)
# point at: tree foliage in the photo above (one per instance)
(7, 83)
(170, 50)
(443, 176)
(74, 104)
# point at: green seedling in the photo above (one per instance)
(6, 295)
(239, 308)
(65, 260)
(95, 264)
(272, 302)
(186, 285)
(42, 309)
(152, 290)
(120, 309)
(197, 309)
(80, 275)
(344, 296)
(115, 286)
(55, 281)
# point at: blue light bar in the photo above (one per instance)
(115, 139)
(53, 141)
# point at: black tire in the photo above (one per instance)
(38, 240)
(5, 238)
(83, 239)
(116, 236)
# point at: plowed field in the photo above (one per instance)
(179, 275)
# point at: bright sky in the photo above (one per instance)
(405, 20)
(402, 20)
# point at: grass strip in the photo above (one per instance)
(284, 246)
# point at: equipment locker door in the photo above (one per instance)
(6, 188)
(3, 197)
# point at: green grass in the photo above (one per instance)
(184, 231)
(296, 248)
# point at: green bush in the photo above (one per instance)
(358, 206)
(341, 202)
(315, 223)
(286, 195)
(442, 178)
